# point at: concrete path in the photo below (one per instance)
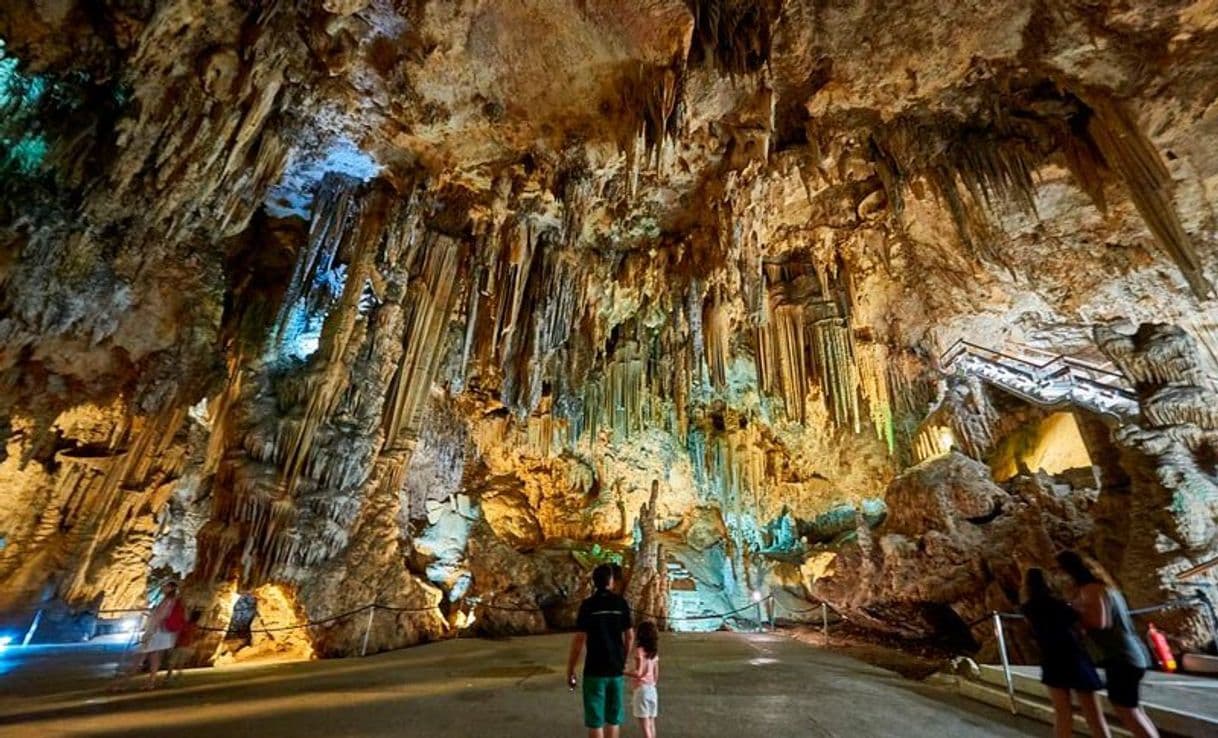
(712, 685)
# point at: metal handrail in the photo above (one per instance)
(1198, 600)
(1075, 381)
(961, 345)
(1201, 568)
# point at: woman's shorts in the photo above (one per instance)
(1123, 682)
(646, 701)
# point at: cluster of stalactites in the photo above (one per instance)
(808, 348)
(963, 419)
(735, 34)
(875, 385)
(975, 169)
(1165, 363)
(1158, 354)
(527, 296)
(431, 295)
(99, 495)
(296, 484)
(336, 207)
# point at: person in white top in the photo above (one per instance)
(645, 702)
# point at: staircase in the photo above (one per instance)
(1178, 704)
(685, 602)
(1058, 381)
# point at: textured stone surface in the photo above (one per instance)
(414, 302)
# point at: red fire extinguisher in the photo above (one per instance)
(1158, 644)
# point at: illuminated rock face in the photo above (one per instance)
(416, 303)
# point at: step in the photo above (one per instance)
(1172, 719)
(1025, 705)
(1199, 663)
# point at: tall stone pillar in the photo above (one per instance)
(1170, 455)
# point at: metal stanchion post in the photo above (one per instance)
(824, 619)
(367, 630)
(1006, 664)
(29, 634)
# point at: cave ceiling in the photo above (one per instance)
(313, 270)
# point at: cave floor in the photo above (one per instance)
(712, 684)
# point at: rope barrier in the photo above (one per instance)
(431, 608)
(709, 616)
(1173, 604)
(325, 621)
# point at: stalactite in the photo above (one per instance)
(335, 210)
(1169, 355)
(735, 33)
(716, 326)
(874, 383)
(337, 346)
(782, 357)
(832, 350)
(627, 396)
(553, 289)
(973, 171)
(1131, 155)
(654, 93)
(433, 290)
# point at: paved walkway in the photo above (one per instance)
(713, 684)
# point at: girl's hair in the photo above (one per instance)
(648, 638)
(1035, 587)
(1083, 570)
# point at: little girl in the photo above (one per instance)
(644, 677)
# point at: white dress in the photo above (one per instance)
(157, 638)
(160, 640)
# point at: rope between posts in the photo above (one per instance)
(710, 616)
(431, 608)
(644, 613)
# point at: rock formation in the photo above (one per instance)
(430, 305)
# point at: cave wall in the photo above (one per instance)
(417, 302)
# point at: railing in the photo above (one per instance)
(371, 609)
(1199, 569)
(1051, 365)
(1059, 379)
(1199, 600)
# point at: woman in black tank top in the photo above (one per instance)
(1065, 667)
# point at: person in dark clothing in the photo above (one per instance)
(1065, 667)
(606, 633)
(1125, 659)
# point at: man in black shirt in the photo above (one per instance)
(606, 630)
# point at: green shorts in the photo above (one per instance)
(603, 704)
